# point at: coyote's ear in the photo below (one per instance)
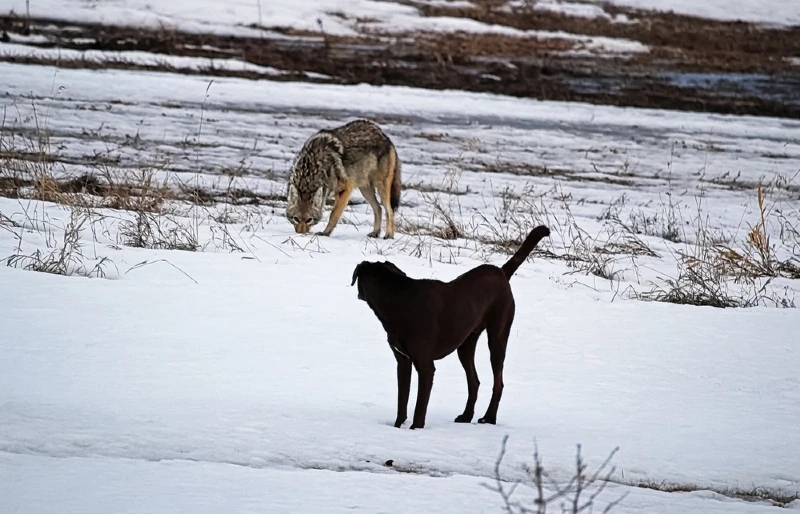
(318, 201)
(291, 197)
(355, 275)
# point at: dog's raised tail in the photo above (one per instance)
(527, 247)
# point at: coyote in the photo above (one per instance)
(355, 155)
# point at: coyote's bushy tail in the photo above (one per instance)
(527, 247)
(394, 163)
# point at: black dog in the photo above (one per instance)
(426, 320)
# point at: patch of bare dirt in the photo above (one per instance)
(687, 43)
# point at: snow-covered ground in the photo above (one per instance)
(773, 12)
(345, 19)
(133, 57)
(226, 364)
(256, 380)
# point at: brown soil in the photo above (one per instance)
(518, 66)
(687, 42)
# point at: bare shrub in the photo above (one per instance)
(579, 494)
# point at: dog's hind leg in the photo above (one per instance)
(403, 386)
(425, 371)
(498, 340)
(466, 354)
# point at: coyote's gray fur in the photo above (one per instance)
(355, 155)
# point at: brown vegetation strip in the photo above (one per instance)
(517, 66)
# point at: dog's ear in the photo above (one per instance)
(355, 274)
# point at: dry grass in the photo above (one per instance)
(161, 212)
(758, 257)
(709, 271)
(155, 210)
(65, 257)
(158, 232)
(705, 269)
(776, 497)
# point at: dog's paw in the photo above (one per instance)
(464, 418)
(485, 420)
(399, 422)
(414, 426)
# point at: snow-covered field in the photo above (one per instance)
(247, 377)
(235, 16)
(773, 12)
(265, 360)
(158, 392)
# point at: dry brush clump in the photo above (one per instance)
(26, 161)
(64, 257)
(759, 256)
(713, 273)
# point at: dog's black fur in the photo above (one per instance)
(426, 320)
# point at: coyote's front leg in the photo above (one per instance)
(342, 197)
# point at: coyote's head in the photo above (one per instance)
(313, 174)
(304, 208)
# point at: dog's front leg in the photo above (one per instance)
(403, 387)
(425, 371)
